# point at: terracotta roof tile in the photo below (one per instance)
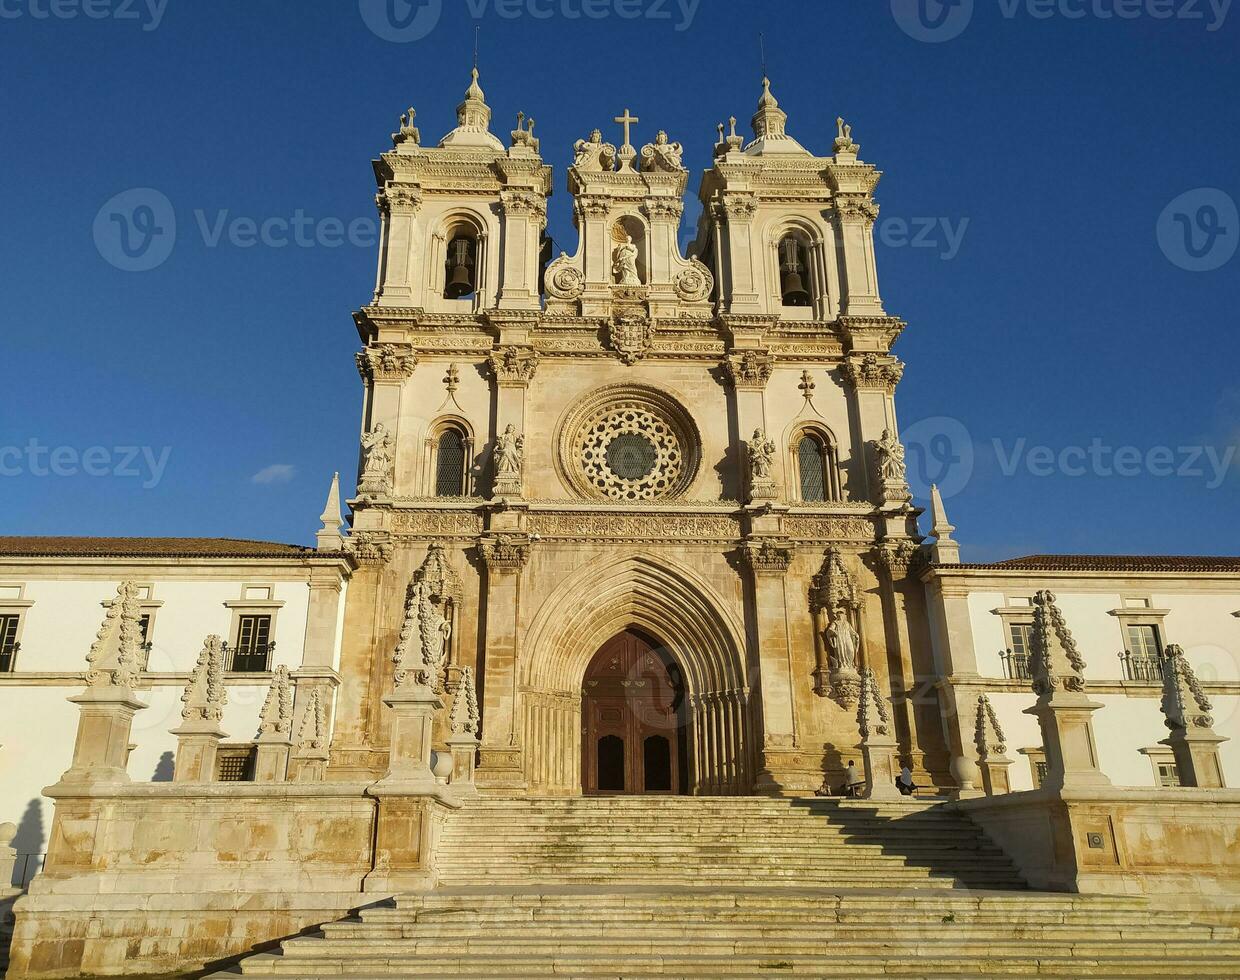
(75, 547)
(1115, 563)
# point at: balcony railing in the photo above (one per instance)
(1141, 667)
(1015, 665)
(251, 659)
(8, 658)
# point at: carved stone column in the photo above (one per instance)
(1187, 711)
(878, 743)
(513, 365)
(384, 369)
(400, 261)
(1062, 709)
(525, 216)
(501, 765)
(855, 214)
(735, 214)
(779, 772)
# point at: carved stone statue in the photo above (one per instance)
(844, 642)
(593, 154)
(624, 264)
(663, 155)
(377, 469)
(761, 456)
(890, 458)
(509, 452)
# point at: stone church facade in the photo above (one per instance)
(629, 522)
(695, 448)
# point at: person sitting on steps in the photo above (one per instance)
(854, 782)
(904, 782)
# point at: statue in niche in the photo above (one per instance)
(624, 264)
(509, 453)
(593, 154)
(377, 444)
(844, 642)
(761, 456)
(890, 457)
(663, 155)
(434, 630)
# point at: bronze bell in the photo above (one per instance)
(793, 289)
(461, 276)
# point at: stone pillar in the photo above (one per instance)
(1187, 711)
(1062, 709)
(384, 369)
(401, 254)
(991, 749)
(197, 745)
(464, 749)
(501, 763)
(735, 215)
(272, 759)
(101, 751)
(855, 214)
(778, 771)
(878, 743)
(413, 719)
(525, 216)
(958, 680)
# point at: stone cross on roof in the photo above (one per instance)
(627, 121)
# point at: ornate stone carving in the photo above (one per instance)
(523, 203)
(378, 446)
(205, 695)
(1056, 661)
(624, 263)
(635, 527)
(856, 207)
(662, 156)
(843, 141)
(767, 556)
(871, 372)
(872, 715)
(114, 659)
(695, 284)
(514, 365)
(386, 363)
(891, 468)
(664, 207)
(524, 135)
(829, 528)
(899, 558)
(835, 601)
(277, 713)
(505, 552)
(761, 451)
(750, 369)
(1184, 703)
(630, 334)
(312, 734)
(370, 548)
(509, 459)
(987, 735)
(563, 281)
(430, 601)
(429, 523)
(593, 155)
(807, 386)
(408, 132)
(739, 206)
(464, 718)
(589, 206)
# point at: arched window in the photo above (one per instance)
(451, 460)
(817, 467)
(794, 278)
(461, 266)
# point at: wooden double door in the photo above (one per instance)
(633, 720)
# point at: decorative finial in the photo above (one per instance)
(452, 380)
(477, 31)
(329, 536)
(945, 550)
(843, 141)
(807, 385)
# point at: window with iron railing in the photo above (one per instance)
(8, 643)
(1016, 660)
(235, 764)
(1142, 661)
(252, 654)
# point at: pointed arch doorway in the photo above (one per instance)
(633, 714)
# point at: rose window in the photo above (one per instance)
(629, 443)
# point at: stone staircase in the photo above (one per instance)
(695, 887)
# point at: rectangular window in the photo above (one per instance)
(1168, 774)
(1017, 660)
(1143, 658)
(235, 764)
(1143, 641)
(1040, 770)
(253, 651)
(8, 643)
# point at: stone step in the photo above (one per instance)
(603, 964)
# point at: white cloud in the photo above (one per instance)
(275, 473)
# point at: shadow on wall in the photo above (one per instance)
(164, 769)
(29, 843)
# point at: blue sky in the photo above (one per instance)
(1059, 181)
